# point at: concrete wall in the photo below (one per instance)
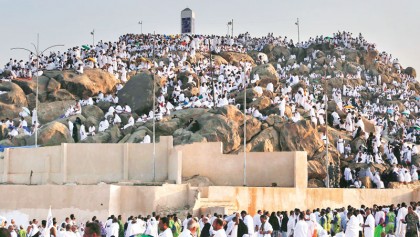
(87, 163)
(262, 168)
(112, 163)
(24, 203)
(286, 199)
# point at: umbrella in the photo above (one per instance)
(349, 107)
(390, 111)
(92, 59)
(26, 110)
(406, 112)
(85, 47)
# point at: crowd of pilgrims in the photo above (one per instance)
(134, 53)
(378, 221)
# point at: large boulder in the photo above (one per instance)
(60, 95)
(139, 135)
(315, 183)
(300, 136)
(218, 60)
(231, 112)
(14, 94)
(267, 74)
(411, 72)
(52, 134)
(183, 76)
(397, 185)
(253, 127)
(29, 86)
(316, 170)
(100, 137)
(92, 111)
(261, 103)
(12, 101)
(183, 136)
(266, 141)
(235, 58)
(280, 51)
(138, 93)
(48, 112)
(87, 84)
(218, 128)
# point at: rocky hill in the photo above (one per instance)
(58, 90)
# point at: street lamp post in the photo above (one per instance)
(230, 23)
(141, 27)
(38, 53)
(298, 25)
(245, 78)
(93, 37)
(326, 124)
(154, 112)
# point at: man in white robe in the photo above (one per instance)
(352, 227)
(265, 229)
(191, 229)
(164, 227)
(301, 228)
(369, 225)
(249, 222)
(402, 212)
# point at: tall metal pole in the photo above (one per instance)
(212, 80)
(141, 27)
(326, 124)
(93, 38)
(37, 90)
(298, 25)
(245, 77)
(232, 28)
(37, 54)
(154, 112)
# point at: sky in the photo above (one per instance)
(393, 25)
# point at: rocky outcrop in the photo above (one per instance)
(90, 83)
(267, 74)
(52, 111)
(411, 72)
(138, 93)
(316, 170)
(12, 101)
(235, 58)
(300, 136)
(397, 185)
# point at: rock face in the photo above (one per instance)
(217, 128)
(267, 74)
(51, 134)
(52, 111)
(411, 71)
(235, 58)
(266, 141)
(88, 84)
(12, 101)
(412, 185)
(300, 136)
(316, 170)
(138, 93)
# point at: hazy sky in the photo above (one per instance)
(393, 25)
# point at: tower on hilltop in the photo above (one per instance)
(187, 21)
